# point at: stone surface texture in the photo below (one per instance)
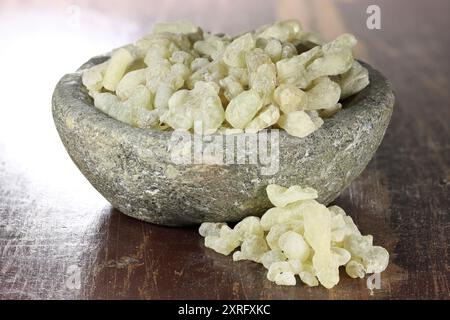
(133, 170)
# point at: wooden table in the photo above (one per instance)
(55, 227)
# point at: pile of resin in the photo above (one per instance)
(183, 78)
(299, 236)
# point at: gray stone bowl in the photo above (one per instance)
(133, 169)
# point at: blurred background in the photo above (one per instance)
(51, 218)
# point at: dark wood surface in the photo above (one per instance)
(53, 222)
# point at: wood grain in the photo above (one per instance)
(52, 220)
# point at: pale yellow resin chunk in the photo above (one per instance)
(117, 66)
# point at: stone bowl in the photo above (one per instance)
(134, 169)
